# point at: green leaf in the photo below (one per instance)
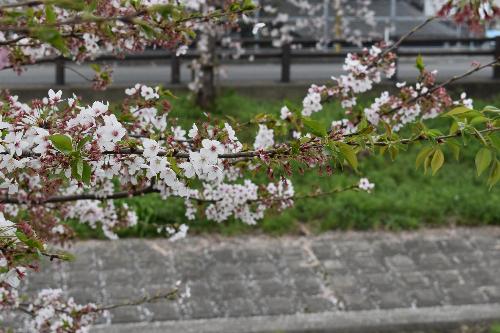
(86, 173)
(315, 127)
(62, 143)
(483, 160)
(51, 36)
(50, 14)
(77, 5)
(494, 175)
(146, 27)
(164, 10)
(491, 108)
(32, 243)
(95, 68)
(456, 111)
(74, 170)
(82, 142)
(248, 5)
(349, 154)
(437, 161)
(495, 139)
(479, 120)
(173, 165)
(454, 147)
(424, 153)
(419, 63)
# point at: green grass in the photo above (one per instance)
(404, 198)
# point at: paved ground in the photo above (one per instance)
(244, 73)
(262, 276)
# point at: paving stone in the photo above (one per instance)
(358, 247)
(356, 302)
(342, 283)
(301, 270)
(481, 277)
(224, 255)
(455, 245)
(202, 308)
(85, 295)
(381, 282)
(391, 248)
(366, 263)
(73, 279)
(128, 314)
(446, 278)
(262, 270)
(492, 293)
(273, 287)
(164, 310)
(278, 305)
(233, 289)
(254, 255)
(420, 246)
(323, 251)
(426, 297)
(293, 254)
(335, 266)
(121, 293)
(401, 263)
(468, 259)
(314, 304)
(119, 276)
(465, 294)
(414, 279)
(241, 308)
(200, 289)
(392, 300)
(433, 261)
(225, 272)
(310, 286)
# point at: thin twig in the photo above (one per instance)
(144, 300)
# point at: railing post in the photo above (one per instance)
(286, 57)
(175, 74)
(60, 75)
(496, 69)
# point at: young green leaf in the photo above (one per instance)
(86, 173)
(437, 161)
(495, 174)
(315, 127)
(32, 243)
(424, 153)
(62, 143)
(419, 63)
(456, 111)
(483, 160)
(349, 154)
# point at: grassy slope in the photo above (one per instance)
(403, 198)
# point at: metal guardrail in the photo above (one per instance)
(262, 50)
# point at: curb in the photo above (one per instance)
(432, 319)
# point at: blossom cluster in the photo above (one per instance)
(473, 13)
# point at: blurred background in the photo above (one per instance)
(319, 36)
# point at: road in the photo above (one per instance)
(245, 73)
